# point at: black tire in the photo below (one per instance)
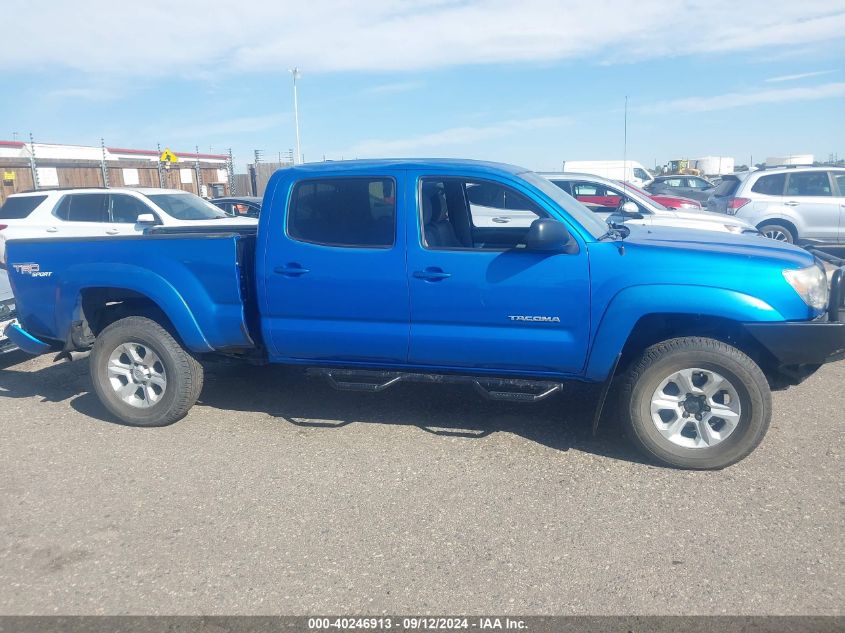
(663, 359)
(778, 232)
(183, 372)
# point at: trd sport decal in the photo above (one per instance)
(33, 270)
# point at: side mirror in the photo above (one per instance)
(146, 218)
(549, 236)
(631, 210)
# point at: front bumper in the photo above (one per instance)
(799, 348)
(801, 343)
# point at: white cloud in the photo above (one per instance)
(166, 38)
(814, 73)
(742, 99)
(452, 138)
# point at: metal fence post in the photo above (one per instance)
(158, 162)
(103, 166)
(32, 163)
(230, 171)
(198, 170)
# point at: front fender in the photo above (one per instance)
(141, 280)
(632, 304)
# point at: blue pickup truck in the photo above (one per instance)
(374, 272)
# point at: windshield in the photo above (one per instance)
(581, 214)
(186, 206)
(644, 194)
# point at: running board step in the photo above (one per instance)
(501, 389)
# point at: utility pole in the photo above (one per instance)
(296, 75)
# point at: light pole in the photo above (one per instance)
(296, 75)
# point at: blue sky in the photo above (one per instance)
(533, 83)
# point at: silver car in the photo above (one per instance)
(791, 204)
(618, 202)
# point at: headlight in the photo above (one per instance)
(811, 284)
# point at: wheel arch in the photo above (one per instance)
(96, 307)
(784, 222)
(641, 316)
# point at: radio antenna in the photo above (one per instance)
(625, 150)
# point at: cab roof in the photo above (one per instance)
(405, 163)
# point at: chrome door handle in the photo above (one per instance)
(431, 274)
(291, 270)
(52, 229)
(112, 231)
(792, 203)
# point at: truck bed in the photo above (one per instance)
(202, 281)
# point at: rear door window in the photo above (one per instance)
(20, 208)
(809, 183)
(771, 185)
(356, 212)
(840, 181)
(84, 207)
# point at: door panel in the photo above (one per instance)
(338, 300)
(506, 310)
(809, 194)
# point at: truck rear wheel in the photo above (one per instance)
(696, 403)
(142, 374)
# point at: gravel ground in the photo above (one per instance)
(277, 495)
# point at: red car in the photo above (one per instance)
(670, 202)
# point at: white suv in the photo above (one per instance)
(789, 204)
(93, 211)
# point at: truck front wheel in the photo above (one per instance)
(695, 403)
(142, 374)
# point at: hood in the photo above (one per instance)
(711, 242)
(708, 216)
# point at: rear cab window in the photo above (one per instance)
(344, 212)
(18, 208)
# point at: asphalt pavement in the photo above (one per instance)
(278, 495)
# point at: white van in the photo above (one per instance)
(625, 170)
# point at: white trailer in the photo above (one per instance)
(625, 170)
(714, 165)
(791, 159)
